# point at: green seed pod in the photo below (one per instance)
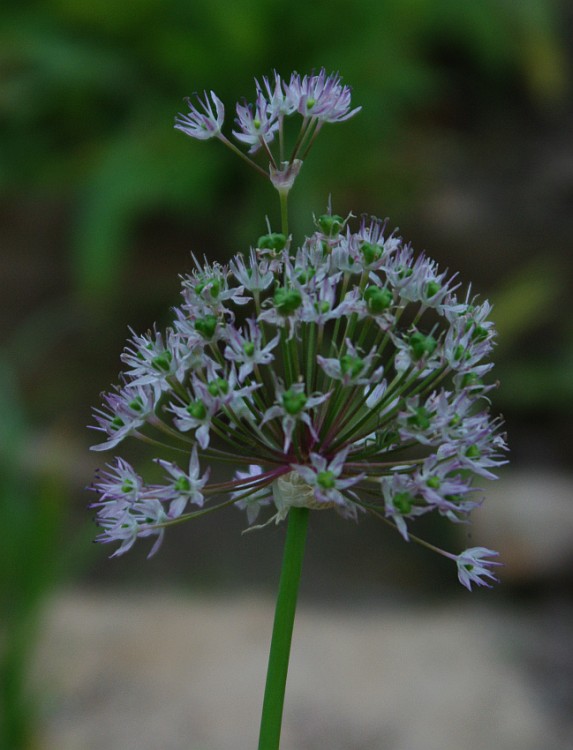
(294, 402)
(421, 419)
(422, 345)
(370, 252)
(473, 452)
(273, 241)
(326, 480)
(117, 423)
(403, 502)
(182, 485)
(350, 365)
(287, 300)
(197, 410)
(218, 387)
(206, 326)
(330, 224)
(377, 299)
(162, 363)
(432, 289)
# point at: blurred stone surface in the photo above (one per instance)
(528, 516)
(158, 672)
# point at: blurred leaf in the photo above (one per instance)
(33, 510)
(526, 301)
(110, 16)
(141, 169)
(538, 385)
(543, 60)
(44, 60)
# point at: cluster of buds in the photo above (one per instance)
(345, 373)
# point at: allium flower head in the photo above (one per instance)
(328, 387)
(343, 373)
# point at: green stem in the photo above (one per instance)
(269, 738)
(284, 212)
(243, 156)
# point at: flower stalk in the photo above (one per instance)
(271, 719)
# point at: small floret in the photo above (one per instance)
(474, 568)
(202, 121)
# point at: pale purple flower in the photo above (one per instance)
(322, 96)
(198, 331)
(257, 498)
(196, 415)
(248, 350)
(207, 290)
(400, 500)
(119, 481)
(154, 359)
(184, 486)
(127, 410)
(280, 100)
(253, 274)
(202, 121)
(321, 303)
(352, 368)
(479, 451)
(418, 351)
(474, 568)
(443, 487)
(464, 347)
(292, 406)
(324, 478)
(127, 509)
(256, 125)
(418, 279)
(223, 390)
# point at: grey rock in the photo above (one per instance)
(164, 673)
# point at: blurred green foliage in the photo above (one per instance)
(34, 508)
(528, 301)
(88, 92)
